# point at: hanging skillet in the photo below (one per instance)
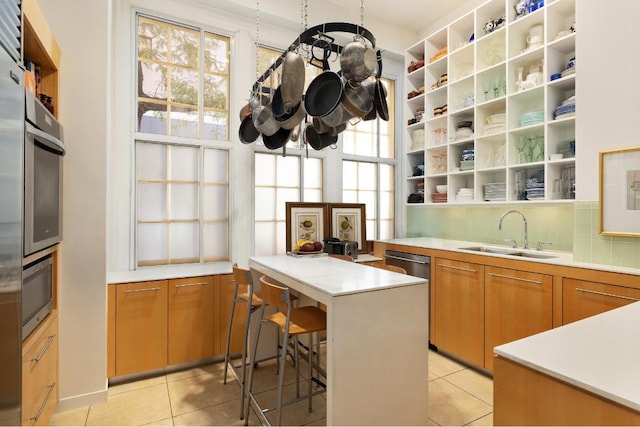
(380, 93)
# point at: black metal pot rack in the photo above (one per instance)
(317, 37)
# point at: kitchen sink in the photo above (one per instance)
(507, 251)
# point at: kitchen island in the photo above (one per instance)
(377, 336)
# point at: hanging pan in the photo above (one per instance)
(380, 93)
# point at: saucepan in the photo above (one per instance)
(318, 141)
(293, 118)
(264, 120)
(357, 60)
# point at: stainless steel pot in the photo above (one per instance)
(291, 120)
(357, 60)
(357, 99)
(318, 141)
(264, 120)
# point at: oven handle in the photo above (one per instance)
(44, 138)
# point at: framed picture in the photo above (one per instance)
(348, 222)
(305, 221)
(620, 192)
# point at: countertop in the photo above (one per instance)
(560, 258)
(335, 277)
(169, 272)
(599, 354)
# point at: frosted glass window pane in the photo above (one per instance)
(350, 197)
(184, 163)
(281, 238)
(369, 199)
(284, 195)
(348, 142)
(215, 202)
(265, 209)
(371, 229)
(265, 238)
(313, 173)
(349, 175)
(152, 242)
(386, 230)
(265, 170)
(386, 147)
(152, 161)
(184, 201)
(366, 176)
(311, 195)
(215, 241)
(184, 241)
(152, 201)
(386, 205)
(288, 171)
(216, 165)
(386, 178)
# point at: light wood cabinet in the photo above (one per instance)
(517, 304)
(40, 373)
(141, 327)
(581, 298)
(458, 292)
(191, 319)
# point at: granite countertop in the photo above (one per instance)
(559, 258)
(599, 354)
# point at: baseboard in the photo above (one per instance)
(81, 401)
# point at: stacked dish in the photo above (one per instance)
(495, 191)
(465, 195)
(532, 118)
(535, 190)
(495, 123)
(566, 109)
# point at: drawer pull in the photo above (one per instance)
(606, 294)
(537, 282)
(470, 270)
(44, 403)
(44, 350)
(187, 285)
(130, 291)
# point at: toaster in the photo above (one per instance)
(335, 246)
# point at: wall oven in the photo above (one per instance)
(43, 152)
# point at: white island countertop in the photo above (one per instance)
(600, 354)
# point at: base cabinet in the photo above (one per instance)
(40, 373)
(517, 304)
(458, 305)
(581, 299)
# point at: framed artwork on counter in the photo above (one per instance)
(347, 222)
(305, 221)
(620, 192)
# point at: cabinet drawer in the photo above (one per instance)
(582, 299)
(40, 375)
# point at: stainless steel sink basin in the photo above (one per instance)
(507, 251)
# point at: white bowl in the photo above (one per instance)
(441, 188)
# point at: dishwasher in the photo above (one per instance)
(415, 265)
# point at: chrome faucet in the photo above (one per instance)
(526, 238)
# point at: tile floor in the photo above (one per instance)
(458, 396)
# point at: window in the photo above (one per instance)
(181, 140)
(279, 179)
(368, 170)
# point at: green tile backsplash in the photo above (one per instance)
(569, 227)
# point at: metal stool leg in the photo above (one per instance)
(245, 339)
(231, 314)
(252, 361)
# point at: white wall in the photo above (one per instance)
(81, 29)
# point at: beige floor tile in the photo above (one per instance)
(193, 393)
(296, 414)
(165, 422)
(475, 383)
(440, 365)
(137, 407)
(451, 406)
(212, 368)
(266, 375)
(135, 385)
(487, 420)
(75, 417)
(225, 414)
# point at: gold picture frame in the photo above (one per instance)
(347, 222)
(620, 192)
(305, 221)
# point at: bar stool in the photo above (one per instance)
(242, 293)
(291, 322)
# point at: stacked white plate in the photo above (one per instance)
(464, 195)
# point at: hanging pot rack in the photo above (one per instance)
(317, 37)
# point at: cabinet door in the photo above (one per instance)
(190, 327)
(517, 304)
(459, 309)
(141, 327)
(227, 286)
(582, 299)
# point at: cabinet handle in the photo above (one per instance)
(537, 282)
(44, 403)
(187, 285)
(130, 291)
(44, 350)
(470, 270)
(606, 294)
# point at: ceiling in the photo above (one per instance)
(412, 14)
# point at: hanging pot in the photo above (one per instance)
(276, 140)
(291, 120)
(357, 60)
(248, 132)
(357, 99)
(321, 127)
(245, 111)
(264, 121)
(380, 93)
(323, 94)
(293, 77)
(316, 140)
(277, 103)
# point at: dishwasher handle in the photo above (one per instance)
(426, 261)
